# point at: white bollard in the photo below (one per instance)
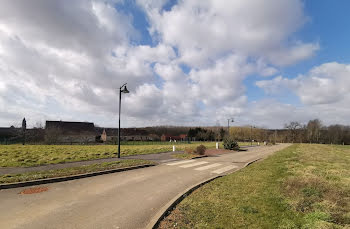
(173, 148)
(217, 145)
(258, 143)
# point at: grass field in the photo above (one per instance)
(33, 155)
(303, 186)
(11, 178)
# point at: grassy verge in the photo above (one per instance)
(303, 186)
(33, 155)
(11, 178)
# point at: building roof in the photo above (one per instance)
(72, 128)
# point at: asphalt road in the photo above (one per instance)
(121, 200)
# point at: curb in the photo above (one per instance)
(167, 209)
(68, 178)
(197, 157)
(251, 162)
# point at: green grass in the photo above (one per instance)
(33, 155)
(303, 186)
(11, 178)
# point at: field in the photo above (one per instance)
(303, 186)
(10, 178)
(33, 155)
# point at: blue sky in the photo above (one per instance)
(264, 62)
(328, 23)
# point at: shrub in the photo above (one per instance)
(200, 150)
(230, 143)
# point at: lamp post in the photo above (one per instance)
(124, 90)
(251, 136)
(228, 124)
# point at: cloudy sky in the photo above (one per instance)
(185, 62)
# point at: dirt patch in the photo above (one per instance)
(171, 220)
(213, 152)
(34, 190)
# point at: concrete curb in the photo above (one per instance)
(251, 162)
(197, 157)
(166, 210)
(67, 178)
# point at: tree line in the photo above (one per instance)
(315, 132)
(293, 132)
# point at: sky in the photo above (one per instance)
(189, 63)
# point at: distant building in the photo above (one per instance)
(70, 132)
(126, 134)
(183, 137)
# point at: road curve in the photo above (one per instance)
(122, 200)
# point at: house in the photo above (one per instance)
(183, 137)
(70, 132)
(126, 134)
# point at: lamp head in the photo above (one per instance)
(125, 90)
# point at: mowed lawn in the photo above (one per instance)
(303, 186)
(33, 155)
(11, 178)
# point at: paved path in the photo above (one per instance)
(121, 200)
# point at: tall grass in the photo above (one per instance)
(304, 186)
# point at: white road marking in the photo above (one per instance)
(208, 167)
(193, 164)
(224, 169)
(180, 162)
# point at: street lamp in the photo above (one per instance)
(251, 137)
(228, 124)
(124, 90)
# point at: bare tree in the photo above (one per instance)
(293, 128)
(314, 130)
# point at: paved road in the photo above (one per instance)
(121, 200)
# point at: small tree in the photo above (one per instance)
(230, 143)
(222, 133)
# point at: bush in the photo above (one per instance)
(230, 143)
(200, 150)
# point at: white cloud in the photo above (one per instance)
(324, 92)
(277, 85)
(222, 82)
(205, 30)
(298, 52)
(328, 83)
(66, 59)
